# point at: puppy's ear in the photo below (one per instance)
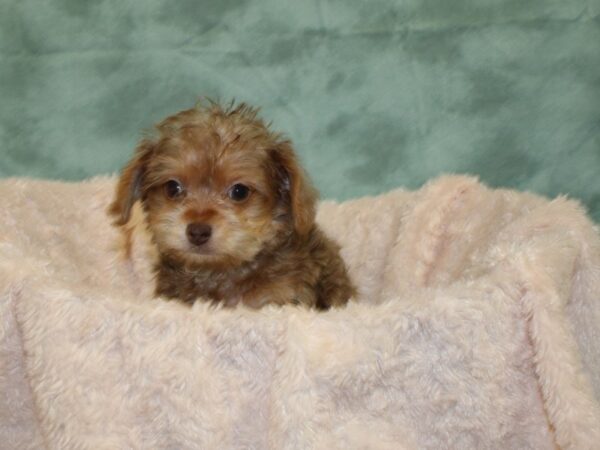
(294, 187)
(129, 186)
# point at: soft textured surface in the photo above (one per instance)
(375, 93)
(477, 327)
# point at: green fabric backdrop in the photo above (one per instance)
(375, 94)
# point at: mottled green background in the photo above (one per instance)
(375, 94)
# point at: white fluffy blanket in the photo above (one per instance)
(477, 327)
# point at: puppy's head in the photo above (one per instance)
(217, 186)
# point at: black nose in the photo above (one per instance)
(198, 233)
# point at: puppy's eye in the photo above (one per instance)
(173, 189)
(239, 192)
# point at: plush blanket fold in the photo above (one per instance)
(476, 326)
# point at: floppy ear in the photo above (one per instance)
(294, 187)
(129, 186)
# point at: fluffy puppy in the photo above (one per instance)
(231, 212)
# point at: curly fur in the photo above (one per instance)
(264, 249)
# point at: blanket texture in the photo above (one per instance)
(476, 326)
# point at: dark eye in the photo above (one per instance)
(173, 189)
(239, 192)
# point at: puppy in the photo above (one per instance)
(231, 212)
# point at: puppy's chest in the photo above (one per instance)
(252, 285)
(224, 285)
(210, 285)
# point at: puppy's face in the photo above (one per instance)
(217, 187)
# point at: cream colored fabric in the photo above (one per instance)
(477, 327)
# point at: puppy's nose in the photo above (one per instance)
(198, 233)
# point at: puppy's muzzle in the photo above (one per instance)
(198, 233)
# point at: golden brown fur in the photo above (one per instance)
(231, 212)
